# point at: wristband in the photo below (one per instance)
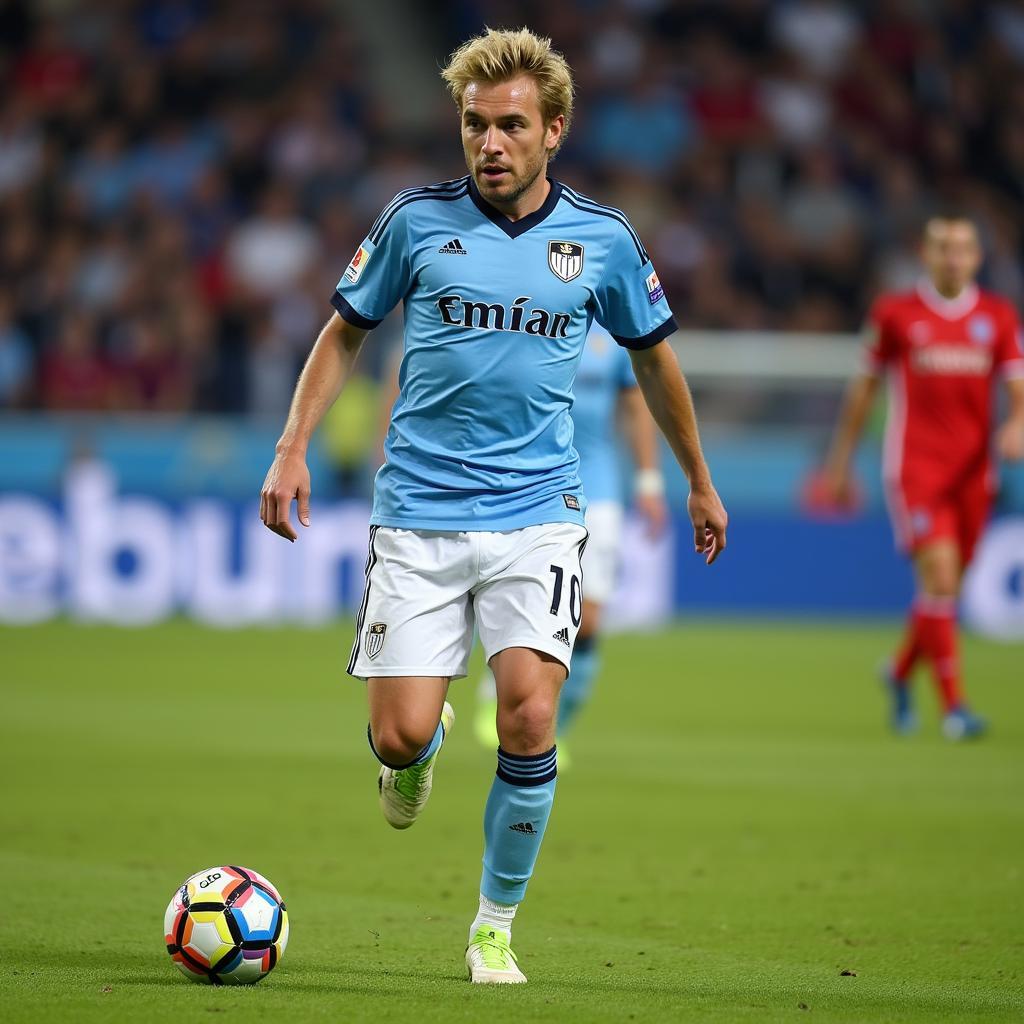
(649, 483)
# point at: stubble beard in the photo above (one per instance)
(519, 186)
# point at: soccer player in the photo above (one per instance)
(941, 347)
(605, 390)
(478, 511)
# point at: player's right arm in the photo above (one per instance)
(1010, 364)
(327, 369)
(857, 403)
(375, 280)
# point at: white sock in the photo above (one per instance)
(496, 916)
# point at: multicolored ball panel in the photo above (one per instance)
(226, 925)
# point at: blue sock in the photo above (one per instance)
(576, 691)
(515, 818)
(428, 751)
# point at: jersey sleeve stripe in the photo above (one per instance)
(351, 315)
(649, 340)
(376, 235)
(1012, 369)
(423, 191)
(589, 206)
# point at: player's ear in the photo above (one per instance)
(554, 132)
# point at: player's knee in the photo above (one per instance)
(945, 585)
(398, 743)
(526, 727)
(941, 580)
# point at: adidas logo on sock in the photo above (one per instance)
(453, 248)
(523, 826)
(563, 635)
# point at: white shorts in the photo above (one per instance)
(604, 550)
(426, 590)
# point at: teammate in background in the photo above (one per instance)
(478, 510)
(605, 390)
(941, 346)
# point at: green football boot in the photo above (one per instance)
(404, 791)
(490, 960)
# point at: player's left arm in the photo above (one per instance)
(1010, 365)
(1010, 438)
(642, 438)
(668, 397)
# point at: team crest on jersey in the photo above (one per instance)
(565, 260)
(981, 330)
(375, 638)
(355, 268)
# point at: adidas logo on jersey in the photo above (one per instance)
(525, 827)
(562, 635)
(453, 248)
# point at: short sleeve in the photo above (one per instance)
(879, 348)
(630, 302)
(378, 276)
(1009, 348)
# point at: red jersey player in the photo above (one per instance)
(941, 347)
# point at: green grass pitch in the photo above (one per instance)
(738, 839)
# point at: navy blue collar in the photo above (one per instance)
(514, 228)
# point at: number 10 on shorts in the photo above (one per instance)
(575, 595)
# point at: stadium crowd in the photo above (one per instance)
(183, 181)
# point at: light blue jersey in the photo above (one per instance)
(496, 314)
(605, 370)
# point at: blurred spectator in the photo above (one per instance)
(182, 182)
(75, 376)
(269, 252)
(272, 369)
(50, 71)
(820, 211)
(170, 163)
(796, 104)
(651, 117)
(104, 176)
(819, 32)
(725, 99)
(21, 147)
(15, 358)
(149, 373)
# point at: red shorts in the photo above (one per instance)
(922, 513)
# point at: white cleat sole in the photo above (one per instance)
(479, 975)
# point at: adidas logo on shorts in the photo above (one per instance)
(563, 635)
(453, 248)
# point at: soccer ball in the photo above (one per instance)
(226, 926)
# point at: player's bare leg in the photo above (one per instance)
(518, 806)
(574, 695)
(409, 718)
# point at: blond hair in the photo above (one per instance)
(499, 55)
